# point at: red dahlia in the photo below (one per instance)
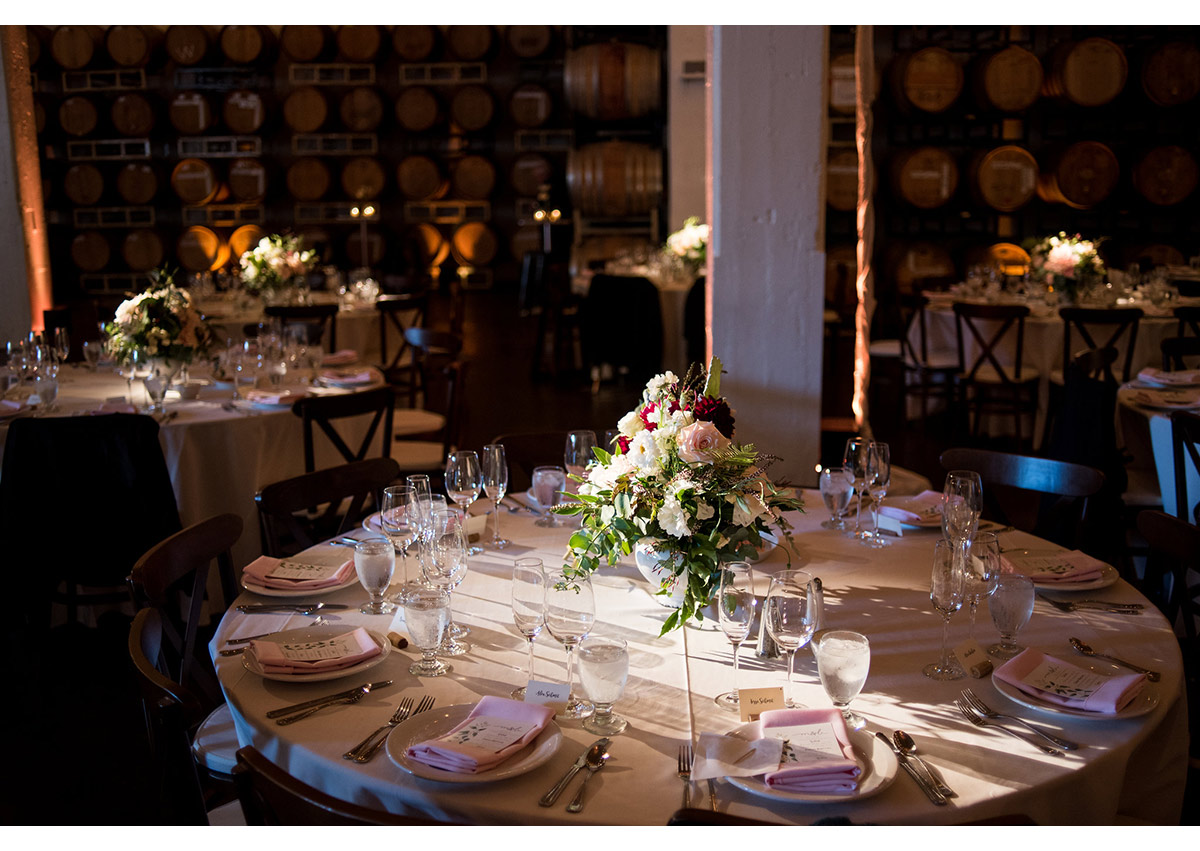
(715, 411)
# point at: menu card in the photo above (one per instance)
(316, 655)
(488, 733)
(496, 729)
(817, 757)
(1072, 566)
(297, 570)
(290, 574)
(1054, 681)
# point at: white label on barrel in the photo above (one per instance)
(252, 171)
(250, 102)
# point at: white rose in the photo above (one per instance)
(630, 424)
(672, 518)
(670, 424)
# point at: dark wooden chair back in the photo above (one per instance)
(1189, 320)
(1174, 553)
(400, 311)
(1093, 363)
(322, 411)
(272, 797)
(531, 288)
(1175, 349)
(316, 318)
(973, 319)
(1120, 324)
(632, 304)
(286, 524)
(1185, 451)
(431, 350)
(528, 449)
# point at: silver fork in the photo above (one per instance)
(402, 711)
(983, 709)
(686, 757)
(365, 755)
(979, 722)
(1116, 608)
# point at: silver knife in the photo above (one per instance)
(930, 792)
(550, 797)
(319, 701)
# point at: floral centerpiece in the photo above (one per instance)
(159, 324)
(1066, 263)
(688, 244)
(275, 263)
(677, 480)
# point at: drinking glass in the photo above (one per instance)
(419, 510)
(61, 345)
(843, 660)
(375, 562)
(397, 522)
(495, 485)
(577, 454)
(835, 491)
(548, 482)
(879, 477)
(129, 369)
(789, 618)
(446, 566)
(735, 610)
(603, 672)
(156, 382)
(946, 590)
(528, 606)
(982, 568)
(855, 459)
(45, 385)
(464, 481)
(1011, 604)
(426, 613)
(92, 349)
(570, 613)
(610, 440)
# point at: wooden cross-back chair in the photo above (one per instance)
(1121, 324)
(1185, 452)
(322, 411)
(929, 374)
(986, 385)
(1189, 320)
(1175, 349)
(1174, 553)
(393, 308)
(431, 348)
(316, 318)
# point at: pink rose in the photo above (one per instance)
(698, 441)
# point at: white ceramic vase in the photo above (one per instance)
(655, 567)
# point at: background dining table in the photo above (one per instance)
(1129, 769)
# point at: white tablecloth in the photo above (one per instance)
(1146, 436)
(1129, 770)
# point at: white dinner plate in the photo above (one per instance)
(1187, 378)
(284, 403)
(878, 762)
(346, 384)
(436, 722)
(297, 592)
(1140, 705)
(1166, 399)
(1108, 575)
(314, 633)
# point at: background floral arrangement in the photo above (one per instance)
(275, 261)
(1066, 262)
(689, 243)
(159, 323)
(677, 478)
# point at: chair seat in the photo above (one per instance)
(227, 815)
(987, 374)
(885, 349)
(216, 743)
(409, 421)
(1142, 490)
(418, 454)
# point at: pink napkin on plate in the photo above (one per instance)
(1073, 566)
(115, 408)
(1055, 681)
(1187, 377)
(8, 406)
(276, 397)
(340, 358)
(272, 655)
(257, 573)
(810, 771)
(452, 751)
(364, 377)
(915, 510)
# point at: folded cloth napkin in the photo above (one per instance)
(1186, 377)
(7, 406)
(1073, 566)
(364, 377)
(258, 572)
(505, 725)
(308, 657)
(340, 357)
(115, 408)
(924, 508)
(1055, 681)
(808, 770)
(275, 397)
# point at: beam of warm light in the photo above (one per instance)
(864, 89)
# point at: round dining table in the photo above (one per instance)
(1128, 769)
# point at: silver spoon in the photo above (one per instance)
(597, 756)
(1086, 650)
(909, 748)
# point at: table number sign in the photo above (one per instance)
(755, 701)
(487, 733)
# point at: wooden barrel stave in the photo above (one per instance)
(530, 105)
(615, 179)
(190, 113)
(128, 45)
(1165, 175)
(242, 44)
(77, 116)
(1005, 178)
(1091, 72)
(358, 42)
(930, 79)
(73, 46)
(302, 42)
(361, 109)
(613, 81)
(1009, 80)
(417, 109)
(469, 42)
(90, 251)
(137, 183)
(472, 108)
(243, 111)
(926, 177)
(194, 181)
(308, 179)
(247, 180)
(186, 44)
(363, 178)
(1171, 74)
(83, 184)
(529, 41)
(473, 177)
(474, 244)
(419, 178)
(142, 250)
(201, 249)
(529, 172)
(305, 109)
(1081, 175)
(132, 114)
(414, 42)
(244, 239)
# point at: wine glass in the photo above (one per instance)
(611, 436)
(789, 617)
(982, 568)
(397, 522)
(603, 672)
(548, 482)
(375, 562)
(426, 614)
(419, 511)
(962, 503)
(879, 477)
(495, 484)
(570, 613)
(528, 606)
(946, 591)
(446, 566)
(1011, 605)
(129, 368)
(735, 610)
(835, 491)
(577, 454)
(464, 481)
(61, 344)
(855, 459)
(843, 660)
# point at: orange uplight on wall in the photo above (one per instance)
(22, 124)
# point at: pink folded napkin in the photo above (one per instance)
(804, 770)
(313, 657)
(1187, 377)
(340, 357)
(496, 729)
(8, 406)
(1073, 566)
(275, 397)
(924, 508)
(258, 572)
(115, 408)
(364, 377)
(1055, 681)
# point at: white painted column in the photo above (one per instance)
(766, 256)
(14, 291)
(686, 127)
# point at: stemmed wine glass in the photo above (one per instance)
(528, 606)
(577, 454)
(397, 522)
(735, 609)
(446, 566)
(962, 503)
(879, 472)
(129, 369)
(61, 345)
(495, 484)
(464, 481)
(946, 591)
(419, 510)
(835, 492)
(855, 459)
(982, 568)
(570, 613)
(790, 618)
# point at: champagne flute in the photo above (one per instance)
(843, 660)
(397, 523)
(464, 481)
(982, 569)
(855, 459)
(375, 562)
(495, 484)
(946, 591)
(790, 618)
(446, 567)
(1011, 605)
(735, 609)
(570, 613)
(603, 672)
(419, 509)
(835, 492)
(962, 503)
(426, 613)
(879, 477)
(61, 345)
(577, 454)
(528, 606)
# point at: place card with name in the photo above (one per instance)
(488, 733)
(301, 571)
(973, 658)
(546, 694)
(806, 743)
(891, 525)
(754, 701)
